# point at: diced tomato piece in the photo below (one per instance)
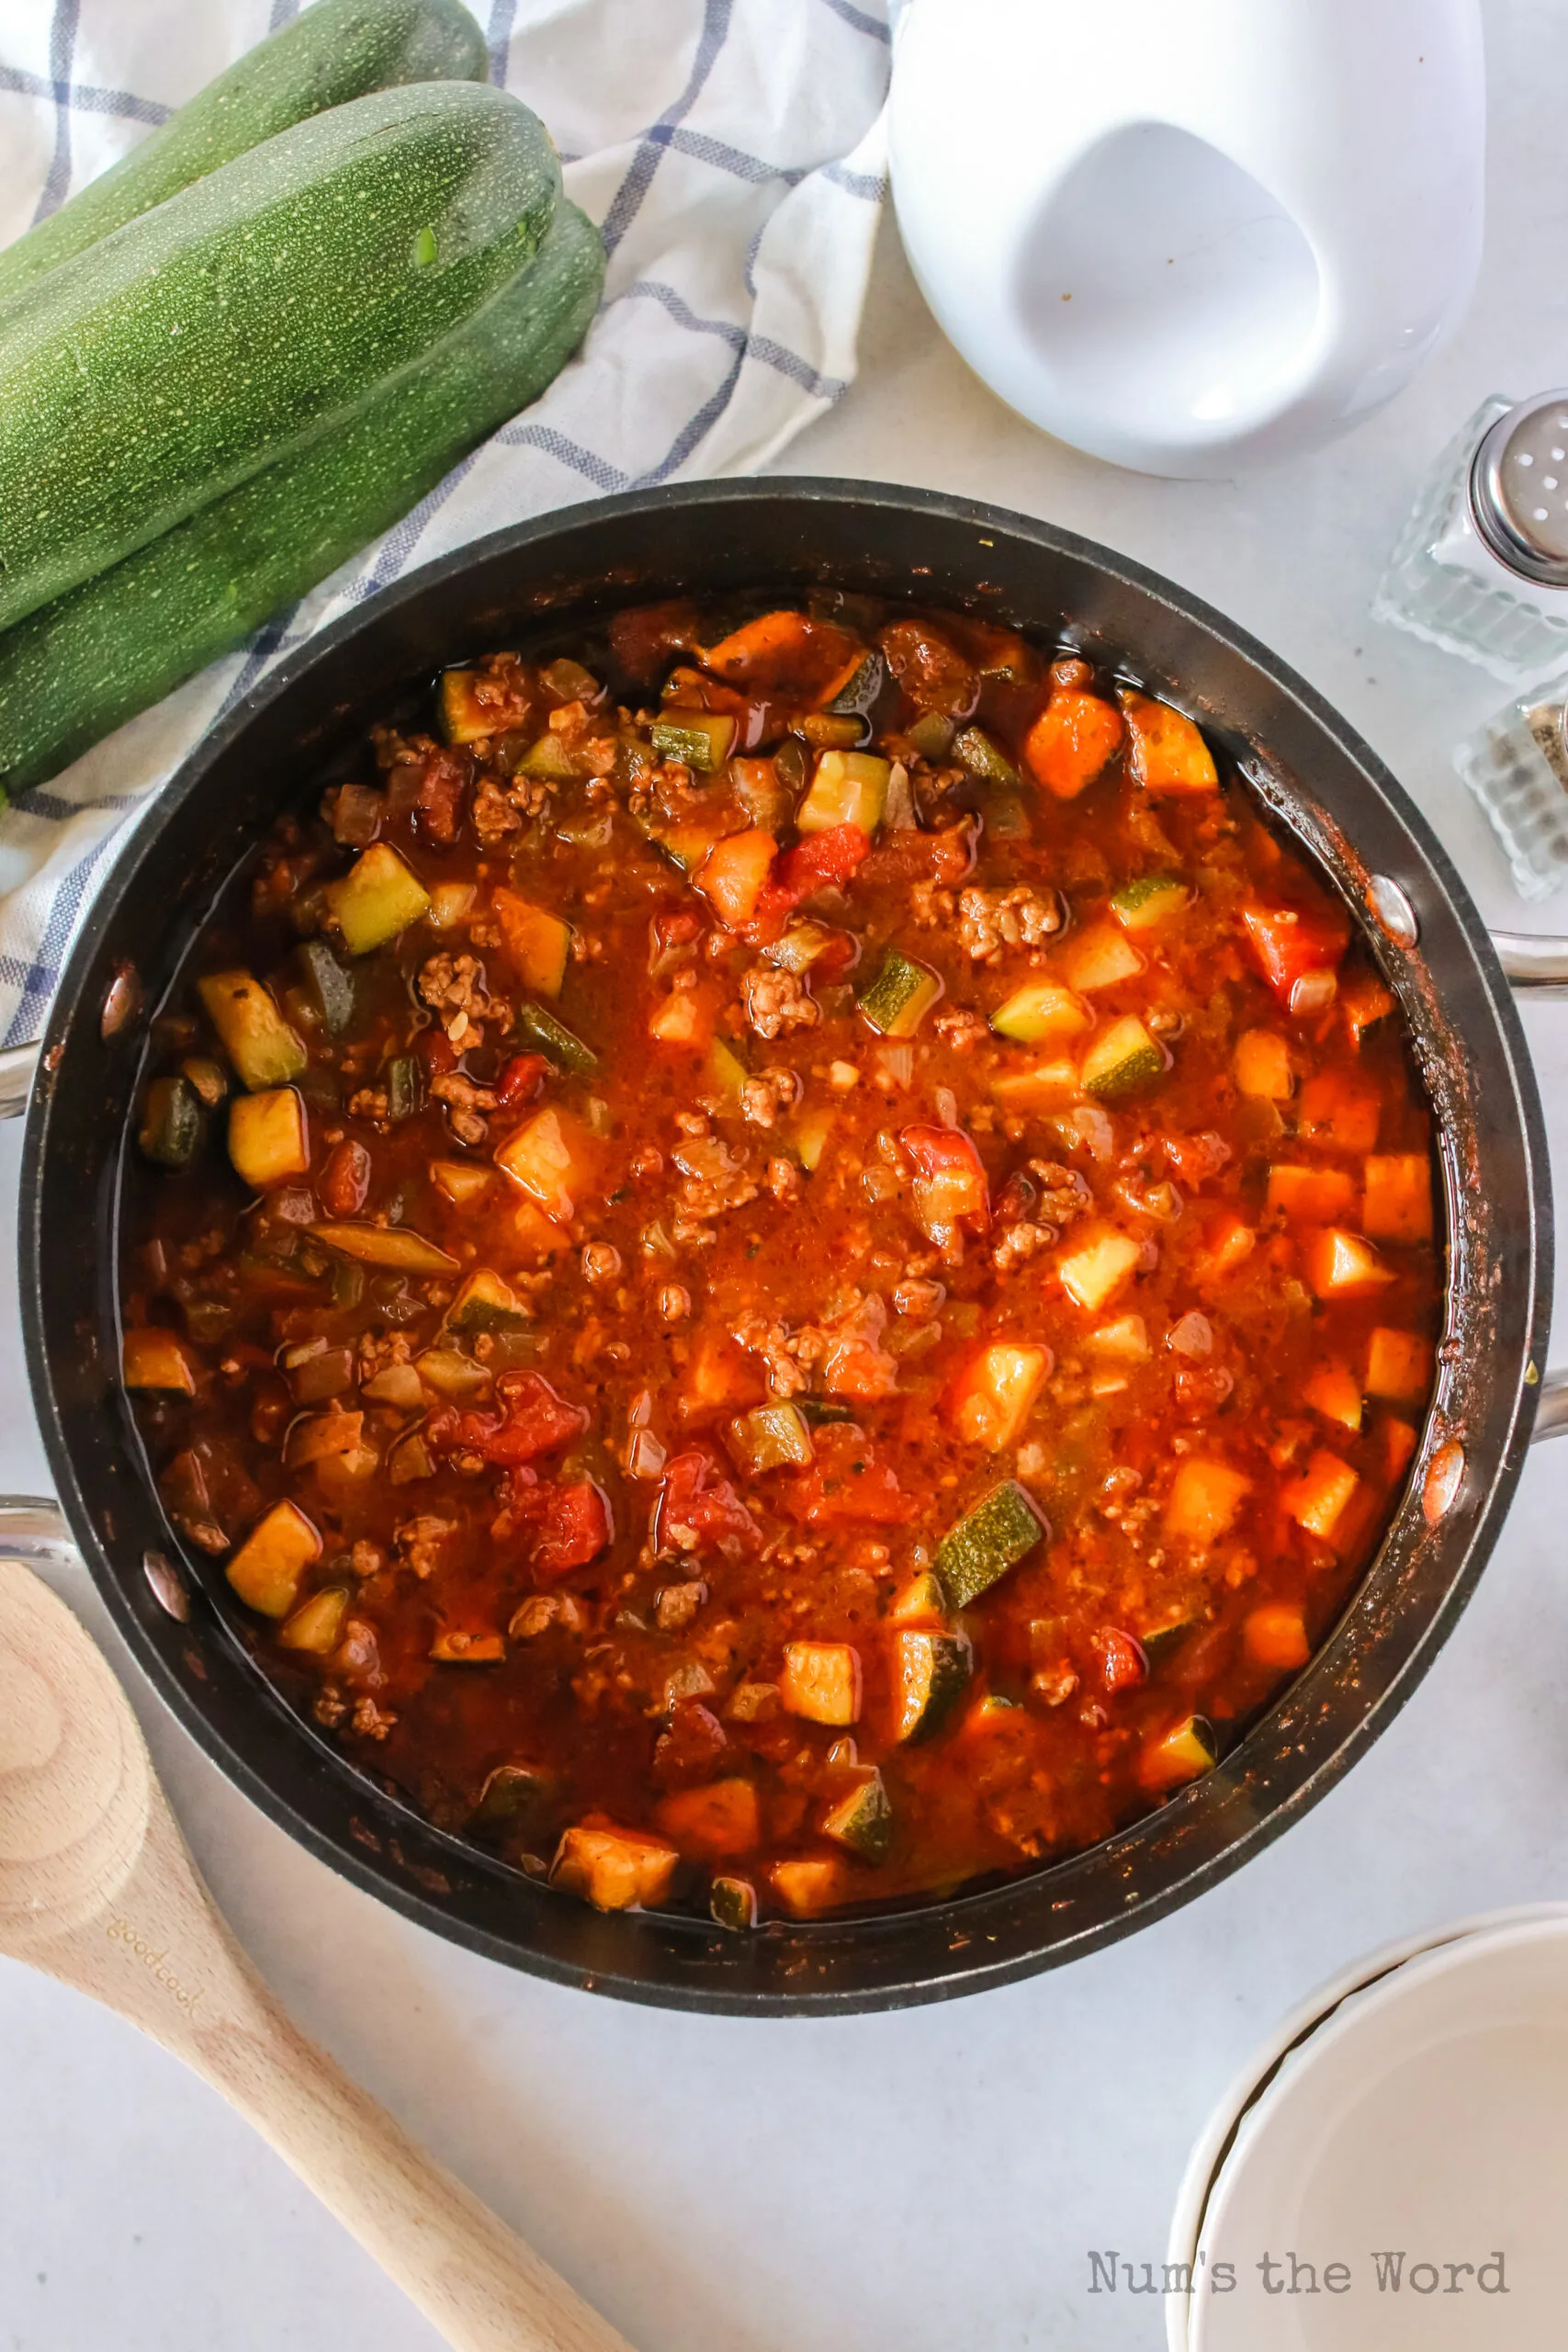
(1288, 943)
(910, 855)
(929, 668)
(437, 1052)
(854, 1361)
(532, 1420)
(346, 1179)
(573, 1525)
(787, 653)
(676, 927)
(1072, 740)
(846, 1483)
(698, 1509)
(689, 1750)
(1122, 1665)
(520, 1079)
(835, 854)
(950, 1182)
(438, 803)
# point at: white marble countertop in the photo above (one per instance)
(933, 2178)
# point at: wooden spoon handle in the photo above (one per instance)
(99, 1889)
(483, 2287)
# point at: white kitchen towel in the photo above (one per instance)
(731, 150)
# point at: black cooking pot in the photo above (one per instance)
(1320, 781)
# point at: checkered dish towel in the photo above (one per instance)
(732, 152)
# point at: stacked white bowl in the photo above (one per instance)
(1390, 2173)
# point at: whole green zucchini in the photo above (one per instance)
(81, 665)
(222, 329)
(336, 50)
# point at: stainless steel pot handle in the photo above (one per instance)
(1532, 965)
(32, 1528)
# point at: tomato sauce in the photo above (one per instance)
(785, 1257)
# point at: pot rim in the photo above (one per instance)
(962, 1923)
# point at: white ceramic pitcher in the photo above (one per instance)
(1189, 235)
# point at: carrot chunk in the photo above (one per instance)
(1071, 742)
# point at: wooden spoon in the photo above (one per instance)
(97, 1889)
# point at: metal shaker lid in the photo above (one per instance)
(1519, 490)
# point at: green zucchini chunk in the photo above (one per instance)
(733, 1904)
(239, 320)
(930, 1669)
(862, 1821)
(552, 1038)
(337, 50)
(986, 1543)
(330, 982)
(173, 1123)
(899, 997)
(91, 659)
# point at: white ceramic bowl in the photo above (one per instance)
(1373, 2080)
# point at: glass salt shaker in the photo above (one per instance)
(1517, 768)
(1482, 567)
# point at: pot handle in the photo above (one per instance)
(1532, 965)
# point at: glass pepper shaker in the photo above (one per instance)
(1482, 567)
(1517, 765)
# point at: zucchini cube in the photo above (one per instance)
(848, 789)
(1003, 1527)
(266, 1569)
(265, 1049)
(377, 897)
(268, 1139)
